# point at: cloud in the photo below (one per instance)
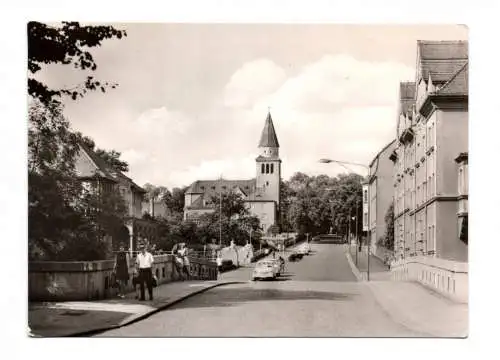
(252, 81)
(337, 107)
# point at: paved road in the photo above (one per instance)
(318, 296)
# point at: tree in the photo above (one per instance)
(52, 184)
(316, 204)
(389, 227)
(65, 44)
(175, 200)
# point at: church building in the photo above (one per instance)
(261, 194)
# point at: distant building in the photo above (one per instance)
(380, 193)
(261, 194)
(95, 173)
(430, 168)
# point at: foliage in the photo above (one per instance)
(52, 184)
(65, 44)
(389, 228)
(315, 204)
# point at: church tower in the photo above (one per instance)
(269, 163)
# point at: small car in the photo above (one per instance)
(264, 269)
(304, 249)
(295, 256)
(278, 264)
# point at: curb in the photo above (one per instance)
(137, 317)
(354, 269)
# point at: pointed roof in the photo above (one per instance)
(268, 137)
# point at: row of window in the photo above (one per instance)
(267, 168)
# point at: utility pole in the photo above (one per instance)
(220, 212)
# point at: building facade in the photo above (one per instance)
(380, 193)
(95, 173)
(261, 194)
(432, 132)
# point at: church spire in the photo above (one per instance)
(268, 137)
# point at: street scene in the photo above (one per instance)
(223, 180)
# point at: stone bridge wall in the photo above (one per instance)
(91, 280)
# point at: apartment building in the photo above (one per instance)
(430, 156)
(380, 193)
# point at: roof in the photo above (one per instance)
(382, 151)
(268, 137)
(441, 59)
(458, 84)
(106, 171)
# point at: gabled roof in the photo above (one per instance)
(268, 137)
(106, 171)
(458, 84)
(441, 59)
(102, 169)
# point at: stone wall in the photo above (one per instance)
(91, 280)
(450, 278)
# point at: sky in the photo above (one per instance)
(192, 98)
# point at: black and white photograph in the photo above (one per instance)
(247, 180)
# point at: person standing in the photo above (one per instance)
(183, 254)
(121, 270)
(144, 263)
(218, 260)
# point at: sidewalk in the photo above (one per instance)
(83, 318)
(410, 303)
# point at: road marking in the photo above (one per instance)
(97, 306)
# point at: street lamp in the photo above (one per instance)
(367, 168)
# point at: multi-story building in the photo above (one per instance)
(380, 193)
(95, 173)
(429, 207)
(261, 194)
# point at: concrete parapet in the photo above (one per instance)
(91, 280)
(450, 278)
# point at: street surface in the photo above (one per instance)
(317, 296)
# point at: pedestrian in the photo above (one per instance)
(144, 263)
(121, 270)
(183, 254)
(219, 262)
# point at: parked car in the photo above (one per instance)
(280, 267)
(227, 265)
(295, 256)
(304, 249)
(264, 269)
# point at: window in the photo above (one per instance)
(272, 168)
(267, 168)
(262, 169)
(365, 196)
